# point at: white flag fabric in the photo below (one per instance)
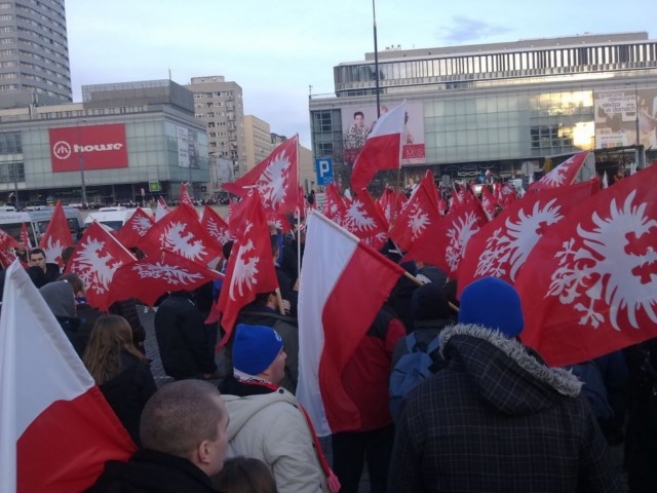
(335, 312)
(56, 428)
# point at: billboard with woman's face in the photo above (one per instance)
(359, 120)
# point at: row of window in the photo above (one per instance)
(36, 56)
(38, 46)
(45, 39)
(52, 32)
(13, 172)
(10, 143)
(201, 95)
(473, 65)
(53, 13)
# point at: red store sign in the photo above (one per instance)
(88, 147)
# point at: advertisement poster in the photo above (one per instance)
(188, 151)
(90, 146)
(619, 115)
(358, 121)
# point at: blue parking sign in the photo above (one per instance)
(324, 170)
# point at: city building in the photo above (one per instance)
(504, 107)
(123, 142)
(34, 64)
(218, 103)
(257, 138)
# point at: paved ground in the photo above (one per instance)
(147, 316)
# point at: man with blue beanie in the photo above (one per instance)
(266, 421)
(497, 418)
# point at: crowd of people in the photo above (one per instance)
(449, 399)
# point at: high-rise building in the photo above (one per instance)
(258, 140)
(34, 64)
(219, 104)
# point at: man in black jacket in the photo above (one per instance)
(497, 418)
(40, 271)
(183, 433)
(186, 343)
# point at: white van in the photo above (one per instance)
(37, 222)
(114, 217)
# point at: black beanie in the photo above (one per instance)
(430, 303)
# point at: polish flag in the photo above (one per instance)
(335, 266)
(276, 178)
(25, 237)
(132, 232)
(57, 432)
(382, 149)
(162, 209)
(564, 174)
(57, 236)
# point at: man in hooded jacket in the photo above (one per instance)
(497, 418)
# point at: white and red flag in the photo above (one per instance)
(488, 203)
(391, 203)
(276, 178)
(564, 174)
(419, 216)
(57, 432)
(502, 246)
(181, 232)
(382, 149)
(589, 286)
(132, 232)
(363, 218)
(185, 199)
(96, 258)
(25, 237)
(57, 236)
(448, 240)
(7, 258)
(161, 210)
(334, 206)
(7, 241)
(213, 223)
(335, 266)
(250, 267)
(507, 194)
(149, 278)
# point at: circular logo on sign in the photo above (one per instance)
(62, 150)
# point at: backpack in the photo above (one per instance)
(419, 363)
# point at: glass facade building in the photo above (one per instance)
(504, 107)
(158, 141)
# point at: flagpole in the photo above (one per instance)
(298, 213)
(376, 63)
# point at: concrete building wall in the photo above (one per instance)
(219, 104)
(257, 138)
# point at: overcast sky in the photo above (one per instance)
(275, 50)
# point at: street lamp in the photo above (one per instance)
(81, 165)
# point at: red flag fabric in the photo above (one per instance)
(419, 215)
(507, 195)
(449, 238)
(564, 174)
(363, 219)
(442, 205)
(181, 232)
(488, 203)
(162, 209)
(382, 149)
(185, 199)
(134, 230)
(96, 258)
(215, 226)
(502, 246)
(25, 237)
(58, 431)
(391, 203)
(7, 241)
(334, 206)
(335, 266)
(590, 284)
(57, 236)
(151, 277)
(250, 267)
(7, 258)
(276, 178)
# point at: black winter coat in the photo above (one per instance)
(128, 392)
(152, 472)
(498, 420)
(186, 344)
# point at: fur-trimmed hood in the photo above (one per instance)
(509, 375)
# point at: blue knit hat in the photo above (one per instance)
(493, 303)
(255, 348)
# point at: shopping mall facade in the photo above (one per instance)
(502, 107)
(125, 142)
